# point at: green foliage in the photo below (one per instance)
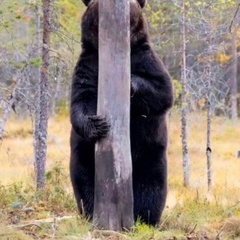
(36, 62)
(69, 15)
(73, 228)
(62, 108)
(55, 193)
(54, 198)
(177, 88)
(11, 196)
(198, 210)
(162, 18)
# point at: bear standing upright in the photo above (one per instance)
(151, 98)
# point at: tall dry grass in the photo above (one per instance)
(225, 164)
(16, 151)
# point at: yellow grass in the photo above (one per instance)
(225, 164)
(16, 151)
(185, 207)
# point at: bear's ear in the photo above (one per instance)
(142, 3)
(86, 2)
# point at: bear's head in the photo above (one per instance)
(141, 2)
(138, 26)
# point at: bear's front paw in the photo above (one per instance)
(98, 127)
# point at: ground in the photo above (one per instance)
(191, 213)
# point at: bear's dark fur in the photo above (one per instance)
(151, 97)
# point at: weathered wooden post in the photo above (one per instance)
(113, 200)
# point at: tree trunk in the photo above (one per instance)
(57, 91)
(36, 130)
(234, 112)
(10, 105)
(209, 110)
(113, 200)
(41, 129)
(184, 101)
(208, 149)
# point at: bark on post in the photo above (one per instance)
(113, 200)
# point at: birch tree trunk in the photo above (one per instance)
(208, 149)
(209, 116)
(184, 101)
(113, 200)
(42, 105)
(36, 131)
(9, 105)
(234, 112)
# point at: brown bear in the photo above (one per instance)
(151, 98)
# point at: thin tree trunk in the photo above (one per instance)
(234, 112)
(9, 105)
(184, 102)
(36, 131)
(57, 91)
(208, 149)
(113, 200)
(209, 110)
(41, 141)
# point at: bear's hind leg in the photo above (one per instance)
(149, 202)
(85, 201)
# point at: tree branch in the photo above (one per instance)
(234, 17)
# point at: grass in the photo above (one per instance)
(193, 213)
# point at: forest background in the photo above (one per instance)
(198, 42)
